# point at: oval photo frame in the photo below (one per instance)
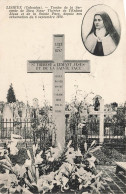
(100, 30)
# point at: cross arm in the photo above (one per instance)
(77, 66)
(40, 66)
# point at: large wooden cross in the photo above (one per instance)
(58, 66)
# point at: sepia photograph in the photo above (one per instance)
(62, 97)
(103, 38)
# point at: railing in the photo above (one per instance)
(116, 130)
(112, 132)
(114, 136)
(25, 129)
(20, 127)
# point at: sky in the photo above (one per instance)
(32, 39)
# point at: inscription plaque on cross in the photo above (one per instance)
(58, 66)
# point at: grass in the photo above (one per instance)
(108, 156)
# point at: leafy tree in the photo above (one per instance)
(120, 116)
(10, 95)
(114, 105)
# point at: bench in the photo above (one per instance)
(120, 166)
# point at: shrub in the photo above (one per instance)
(52, 170)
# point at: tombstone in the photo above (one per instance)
(16, 115)
(58, 66)
(8, 120)
(24, 113)
(107, 130)
(26, 124)
(7, 113)
(35, 103)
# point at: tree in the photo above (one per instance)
(10, 95)
(114, 105)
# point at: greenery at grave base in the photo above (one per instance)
(54, 170)
(108, 156)
(42, 130)
(11, 95)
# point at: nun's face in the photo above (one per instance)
(98, 22)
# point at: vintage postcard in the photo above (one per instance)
(62, 96)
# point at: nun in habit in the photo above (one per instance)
(103, 37)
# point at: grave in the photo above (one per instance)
(58, 66)
(35, 103)
(7, 115)
(26, 124)
(8, 121)
(101, 114)
(16, 115)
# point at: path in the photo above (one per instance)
(118, 184)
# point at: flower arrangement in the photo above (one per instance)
(54, 170)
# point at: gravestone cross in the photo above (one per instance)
(58, 66)
(101, 113)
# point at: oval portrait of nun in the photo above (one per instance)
(100, 30)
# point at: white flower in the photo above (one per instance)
(26, 191)
(70, 154)
(64, 181)
(55, 152)
(63, 170)
(91, 161)
(51, 159)
(38, 159)
(80, 180)
(20, 170)
(66, 168)
(81, 171)
(27, 163)
(35, 147)
(87, 184)
(13, 148)
(78, 152)
(58, 178)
